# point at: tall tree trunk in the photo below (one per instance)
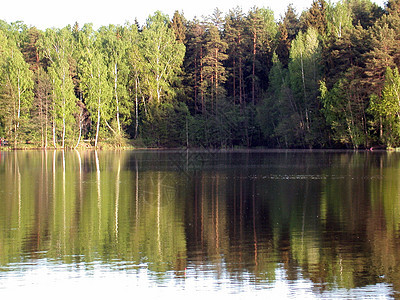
(253, 81)
(216, 81)
(234, 81)
(136, 106)
(80, 130)
(63, 108)
(240, 76)
(98, 123)
(158, 78)
(116, 96)
(54, 133)
(18, 112)
(195, 84)
(54, 119)
(203, 107)
(63, 132)
(45, 126)
(304, 91)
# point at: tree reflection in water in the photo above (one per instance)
(254, 218)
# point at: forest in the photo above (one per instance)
(324, 78)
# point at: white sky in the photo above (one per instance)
(55, 13)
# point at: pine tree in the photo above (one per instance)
(178, 25)
(346, 89)
(316, 16)
(255, 32)
(288, 29)
(383, 55)
(235, 39)
(193, 65)
(213, 70)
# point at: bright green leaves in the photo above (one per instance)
(94, 80)
(57, 47)
(163, 57)
(339, 17)
(304, 75)
(16, 88)
(387, 108)
(115, 43)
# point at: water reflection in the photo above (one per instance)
(318, 224)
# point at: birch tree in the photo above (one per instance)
(386, 108)
(136, 66)
(57, 46)
(163, 56)
(114, 45)
(94, 82)
(17, 87)
(304, 74)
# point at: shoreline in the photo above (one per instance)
(198, 150)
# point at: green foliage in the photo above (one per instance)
(16, 89)
(94, 81)
(167, 125)
(304, 75)
(339, 17)
(386, 109)
(163, 57)
(237, 80)
(115, 43)
(57, 47)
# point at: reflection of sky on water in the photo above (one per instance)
(306, 226)
(101, 281)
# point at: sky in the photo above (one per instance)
(55, 13)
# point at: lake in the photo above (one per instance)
(232, 225)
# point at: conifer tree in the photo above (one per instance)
(193, 65)
(235, 38)
(178, 25)
(213, 70)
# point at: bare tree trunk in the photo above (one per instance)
(253, 81)
(234, 81)
(195, 84)
(54, 134)
(98, 123)
(136, 107)
(98, 110)
(216, 81)
(240, 77)
(54, 119)
(116, 96)
(63, 108)
(304, 91)
(80, 130)
(203, 107)
(18, 114)
(45, 126)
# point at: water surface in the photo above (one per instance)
(195, 224)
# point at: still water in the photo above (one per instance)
(200, 224)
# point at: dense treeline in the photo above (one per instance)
(325, 78)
